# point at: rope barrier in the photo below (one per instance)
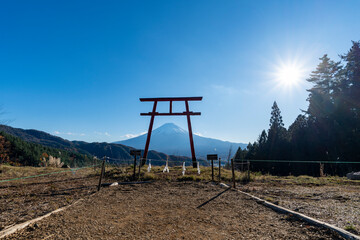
(240, 163)
(237, 162)
(154, 160)
(45, 174)
(296, 161)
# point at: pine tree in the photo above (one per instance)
(276, 121)
(298, 138)
(277, 135)
(327, 86)
(352, 73)
(324, 77)
(262, 151)
(262, 140)
(352, 102)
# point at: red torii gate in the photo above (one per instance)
(187, 113)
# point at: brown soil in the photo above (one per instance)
(162, 210)
(26, 199)
(335, 204)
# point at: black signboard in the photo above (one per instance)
(212, 157)
(135, 152)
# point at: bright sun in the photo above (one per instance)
(288, 76)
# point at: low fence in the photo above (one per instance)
(240, 169)
(297, 167)
(154, 162)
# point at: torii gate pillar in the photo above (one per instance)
(187, 113)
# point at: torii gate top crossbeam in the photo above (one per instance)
(163, 99)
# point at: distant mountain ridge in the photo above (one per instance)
(111, 150)
(40, 137)
(171, 139)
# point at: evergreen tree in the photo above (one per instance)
(277, 135)
(352, 102)
(299, 138)
(323, 99)
(324, 77)
(276, 121)
(252, 151)
(262, 151)
(262, 139)
(325, 80)
(352, 73)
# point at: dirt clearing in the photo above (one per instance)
(168, 210)
(337, 204)
(26, 199)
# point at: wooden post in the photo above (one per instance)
(102, 173)
(233, 172)
(139, 168)
(212, 157)
(321, 170)
(135, 152)
(134, 166)
(212, 170)
(248, 171)
(219, 169)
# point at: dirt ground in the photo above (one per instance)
(337, 204)
(26, 199)
(164, 210)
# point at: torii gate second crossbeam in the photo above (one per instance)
(187, 113)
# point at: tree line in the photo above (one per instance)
(329, 130)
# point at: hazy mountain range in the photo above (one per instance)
(171, 139)
(167, 141)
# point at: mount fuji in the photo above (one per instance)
(171, 139)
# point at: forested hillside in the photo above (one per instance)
(329, 130)
(40, 137)
(15, 151)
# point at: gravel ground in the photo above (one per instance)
(168, 210)
(337, 204)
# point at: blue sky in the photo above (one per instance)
(77, 68)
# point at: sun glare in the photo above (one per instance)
(288, 76)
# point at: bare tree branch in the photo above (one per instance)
(2, 113)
